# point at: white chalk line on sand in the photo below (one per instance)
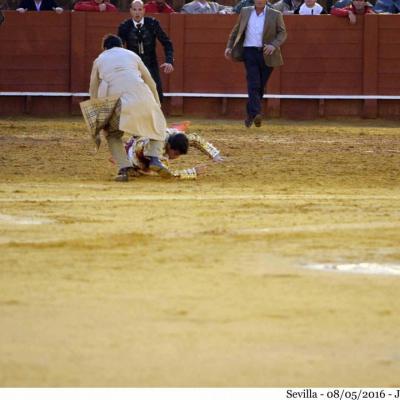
(202, 197)
(25, 220)
(359, 268)
(321, 228)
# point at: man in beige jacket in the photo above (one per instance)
(256, 39)
(123, 98)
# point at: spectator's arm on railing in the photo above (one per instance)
(339, 12)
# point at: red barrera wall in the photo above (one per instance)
(324, 55)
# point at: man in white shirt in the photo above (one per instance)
(256, 39)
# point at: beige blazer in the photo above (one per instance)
(274, 33)
(121, 72)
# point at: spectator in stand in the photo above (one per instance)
(205, 7)
(310, 7)
(287, 6)
(158, 7)
(9, 4)
(39, 5)
(1, 17)
(342, 3)
(356, 7)
(139, 35)
(387, 7)
(242, 3)
(94, 5)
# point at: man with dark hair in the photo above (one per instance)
(123, 98)
(176, 144)
(110, 41)
(139, 34)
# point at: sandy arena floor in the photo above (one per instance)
(172, 283)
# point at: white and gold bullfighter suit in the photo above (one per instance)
(135, 151)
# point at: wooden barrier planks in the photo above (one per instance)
(324, 55)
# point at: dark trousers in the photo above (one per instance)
(155, 74)
(257, 75)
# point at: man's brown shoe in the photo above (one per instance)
(257, 120)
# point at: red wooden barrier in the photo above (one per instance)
(324, 55)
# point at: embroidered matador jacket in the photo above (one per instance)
(135, 147)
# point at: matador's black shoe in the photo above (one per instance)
(124, 174)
